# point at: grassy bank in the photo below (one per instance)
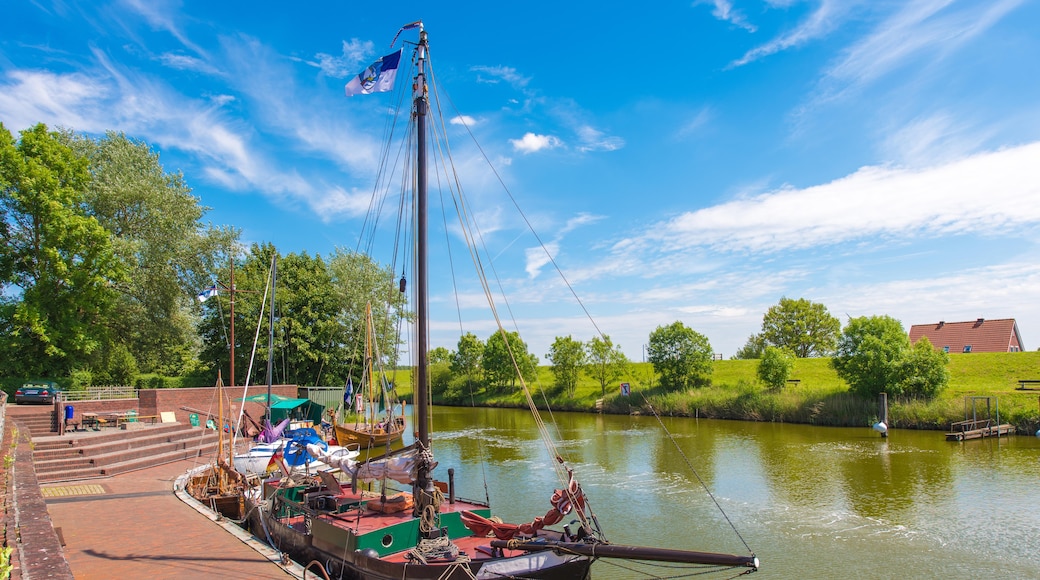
(819, 397)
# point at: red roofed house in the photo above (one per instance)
(976, 336)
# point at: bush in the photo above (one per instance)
(775, 367)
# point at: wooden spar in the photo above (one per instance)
(632, 553)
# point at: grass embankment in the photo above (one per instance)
(819, 397)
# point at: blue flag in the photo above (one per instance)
(207, 294)
(377, 78)
(348, 393)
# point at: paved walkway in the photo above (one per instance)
(133, 526)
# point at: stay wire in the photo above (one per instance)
(689, 464)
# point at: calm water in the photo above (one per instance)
(811, 502)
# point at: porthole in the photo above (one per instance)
(387, 540)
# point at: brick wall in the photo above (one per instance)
(202, 400)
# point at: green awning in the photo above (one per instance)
(262, 398)
(287, 403)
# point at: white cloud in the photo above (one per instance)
(531, 143)
(501, 73)
(723, 10)
(464, 120)
(987, 192)
(350, 62)
(185, 62)
(827, 16)
(925, 29)
(594, 140)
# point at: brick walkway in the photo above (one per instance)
(137, 528)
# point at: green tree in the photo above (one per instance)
(439, 355)
(682, 356)
(803, 327)
(752, 349)
(870, 353)
(775, 367)
(503, 362)
(465, 361)
(924, 372)
(605, 362)
(60, 259)
(568, 357)
(358, 281)
(159, 237)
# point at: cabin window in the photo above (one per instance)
(1014, 349)
(946, 348)
(387, 540)
(967, 348)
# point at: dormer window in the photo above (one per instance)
(967, 348)
(946, 348)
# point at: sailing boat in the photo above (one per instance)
(419, 529)
(290, 450)
(369, 435)
(218, 485)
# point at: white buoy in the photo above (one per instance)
(880, 427)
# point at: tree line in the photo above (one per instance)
(104, 252)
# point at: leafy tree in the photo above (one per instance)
(869, 355)
(157, 234)
(504, 361)
(567, 356)
(681, 355)
(775, 367)
(803, 327)
(924, 372)
(59, 259)
(605, 362)
(439, 355)
(358, 281)
(752, 349)
(465, 361)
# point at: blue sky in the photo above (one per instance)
(690, 161)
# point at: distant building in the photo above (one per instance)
(979, 335)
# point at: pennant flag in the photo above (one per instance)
(377, 78)
(207, 294)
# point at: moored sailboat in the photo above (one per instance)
(388, 518)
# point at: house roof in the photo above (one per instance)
(981, 335)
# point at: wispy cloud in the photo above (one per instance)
(723, 10)
(826, 18)
(464, 120)
(186, 62)
(988, 192)
(925, 29)
(351, 61)
(496, 74)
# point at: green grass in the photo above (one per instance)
(819, 398)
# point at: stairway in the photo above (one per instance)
(40, 420)
(91, 454)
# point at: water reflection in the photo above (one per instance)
(811, 501)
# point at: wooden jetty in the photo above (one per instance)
(977, 429)
(975, 426)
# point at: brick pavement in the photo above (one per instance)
(137, 528)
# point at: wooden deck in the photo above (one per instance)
(977, 429)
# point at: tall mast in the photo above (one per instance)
(421, 299)
(231, 295)
(270, 335)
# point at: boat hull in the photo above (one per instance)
(370, 440)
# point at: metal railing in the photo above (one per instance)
(101, 393)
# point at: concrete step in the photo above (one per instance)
(203, 453)
(79, 443)
(120, 455)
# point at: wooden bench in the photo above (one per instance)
(137, 419)
(1029, 384)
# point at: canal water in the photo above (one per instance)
(810, 502)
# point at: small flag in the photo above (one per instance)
(207, 294)
(348, 392)
(377, 78)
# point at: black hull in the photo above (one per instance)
(298, 545)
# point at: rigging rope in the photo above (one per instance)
(694, 471)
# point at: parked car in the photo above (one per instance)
(37, 392)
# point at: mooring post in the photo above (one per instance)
(883, 412)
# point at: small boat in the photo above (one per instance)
(388, 518)
(371, 434)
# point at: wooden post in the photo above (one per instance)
(883, 412)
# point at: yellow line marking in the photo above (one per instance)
(67, 490)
